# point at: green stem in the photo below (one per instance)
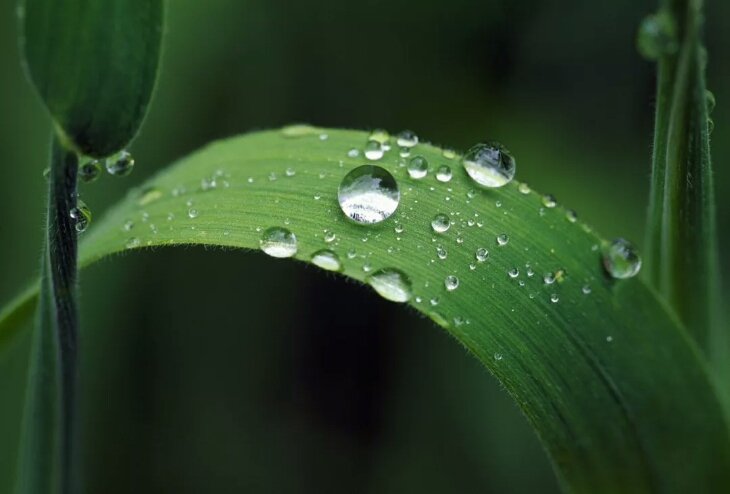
(47, 446)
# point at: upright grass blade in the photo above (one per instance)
(47, 446)
(682, 255)
(614, 386)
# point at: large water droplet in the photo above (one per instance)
(620, 259)
(418, 167)
(407, 139)
(120, 164)
(374, 150)
(326, 259)
(391, 284)
(502, 239)
(489, 164)
(482, 254)
(89, 171)
(440, 223)
(443, 174)
(451, 282)
(278, 242)
(657, 35)
(81, 214)
(368, 194)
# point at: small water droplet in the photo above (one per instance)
(548, 278)
(298, 130)
(407, 139)
(278, 242)
(489, 165)
(586, 289)
(226, 232)
(353, 153)
(374, 150)
(128, 225)
(368, 194)
(323, 137)
(380, 135)
(398, 228)
(290, 172)
(482, 254)
(391, 284)
(498, 204)
(366, 267)
(524, 188)
(449, 154)
(451, 282)
(571, 215)
(440, 223)
(81, 214)
(549, 200)
(132, 243)
(208, 183)
(326, 259)
(120, 164)
(497, 356)
(458, 320)
(272, 177)
(609, 339)
(554, 298)
(418, 167)
(620, 259)
(89, 171)
(434, 301)
(471, 194)
(657, 35)
(148, 195)
(459, 239)
(443, 174)
(530, 272)
(441, 252)
(502, 239)
(193, 213)
(330, 237)
(404, 152)
(351, 253)
(513, 273)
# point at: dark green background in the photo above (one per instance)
(227, 371)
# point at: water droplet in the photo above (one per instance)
(458, 320)
(609, 339)
(441, 252)
(620, 259)
(330, 237)
(513, 273)
(120, 164)
(353, 153)
(571, 215)
(530, 272)
(489, 165)
(451, 282)
(548, 278)
(459, 239)
(471, 194)
(443, 174)
(657, 36)
(418, 167)
(391, 284)
(502, 239)
(323, 137)
(380, 135)
(226, 232)
(449, 154)
(440, 223)
(524, 188)
(398, 228)
(317, 197)
(298, 130)
(366, 267)
(290, 172)
(549, 200)
(89, 171)
(278, 242)
(368, 194)
(207, 183)
(404, 152)
(128, 225)
(554, 298)
(497, 356)
(482, 254)
(407, 139)
(148, 195)
(710, 98)
(586, 289)
(81, 214)
(132, 243)
(272, 177)
(351, 253)
(193, 213)
(326, 259)
(374, 150)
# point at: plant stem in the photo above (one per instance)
(47, 446)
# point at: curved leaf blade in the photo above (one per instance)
(617, 391)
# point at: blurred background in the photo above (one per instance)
(213, 371)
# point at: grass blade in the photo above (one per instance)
(614, 386)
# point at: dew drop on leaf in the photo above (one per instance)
(374, 150)
(549, 201)
(89, 171)
(524, 188)
(482, 254)
(120, 164)
(132, 243)
(278, 242)
(513, 273)
(407, 139)
(443, 174)
(418, 167)
(391, 284)
(571, 215)
(620, 259)
(368, 194)
(498, 356)
(380, 135)
(554, 298)
(586, 289)
(449, 154)
(81, 215)
(440, 223)
(451, 282)
(298, 130)
(502, 239)
(657, 36)
(489, 165)
(193, 213)
(326, 259)
(548, 278)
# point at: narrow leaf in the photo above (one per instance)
(613, 385)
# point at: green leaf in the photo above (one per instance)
(94, 64)
(682, 253)
(613, 385)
